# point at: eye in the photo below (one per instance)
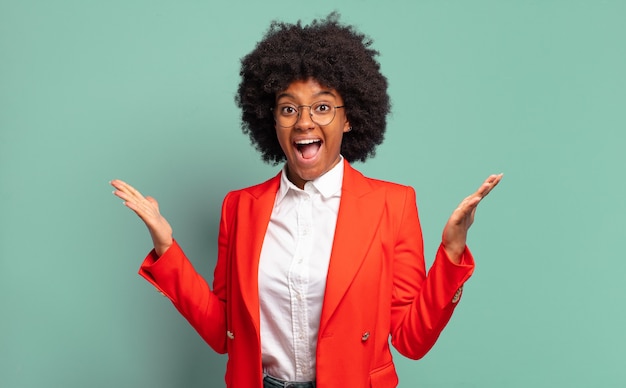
(287, 110)
(322, 108)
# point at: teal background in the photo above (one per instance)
(143, 91)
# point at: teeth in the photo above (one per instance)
(307, 141)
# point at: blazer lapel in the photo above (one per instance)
(253, 215)
(359, 215)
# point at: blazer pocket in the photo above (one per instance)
(384, 377)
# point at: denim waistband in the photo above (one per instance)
(273, 382)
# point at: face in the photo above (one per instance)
(310, 149)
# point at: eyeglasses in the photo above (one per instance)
(287, 115)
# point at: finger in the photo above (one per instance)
(122, 195)
(128, 198)
(474, 199)
(134, 199)
(119, 184)
(126, 188)
(491, 182)
(136, 208)
(466, 207)
(146, 210)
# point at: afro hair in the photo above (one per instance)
(336, 56)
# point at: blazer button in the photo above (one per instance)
(230, 334)
(365, 336)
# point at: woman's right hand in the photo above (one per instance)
(147, 208)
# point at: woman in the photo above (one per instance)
(319, 266)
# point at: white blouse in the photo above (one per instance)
(292, 273)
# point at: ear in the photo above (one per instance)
(347, 127)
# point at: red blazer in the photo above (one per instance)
(376, 287)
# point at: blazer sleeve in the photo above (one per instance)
(422, 305)
(176, 278)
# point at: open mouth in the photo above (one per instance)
(308, 148)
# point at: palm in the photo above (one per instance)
(455, 232)
(147, 208)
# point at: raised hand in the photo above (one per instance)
(147, 208)
(455, 232)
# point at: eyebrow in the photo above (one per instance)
(318, 94)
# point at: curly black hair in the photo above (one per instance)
(335, 55)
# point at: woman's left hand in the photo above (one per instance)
(455, 231)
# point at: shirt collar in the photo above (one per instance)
(328, 184)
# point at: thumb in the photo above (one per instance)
(152, 201)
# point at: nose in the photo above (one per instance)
(305, 120)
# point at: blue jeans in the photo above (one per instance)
(272, 382)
